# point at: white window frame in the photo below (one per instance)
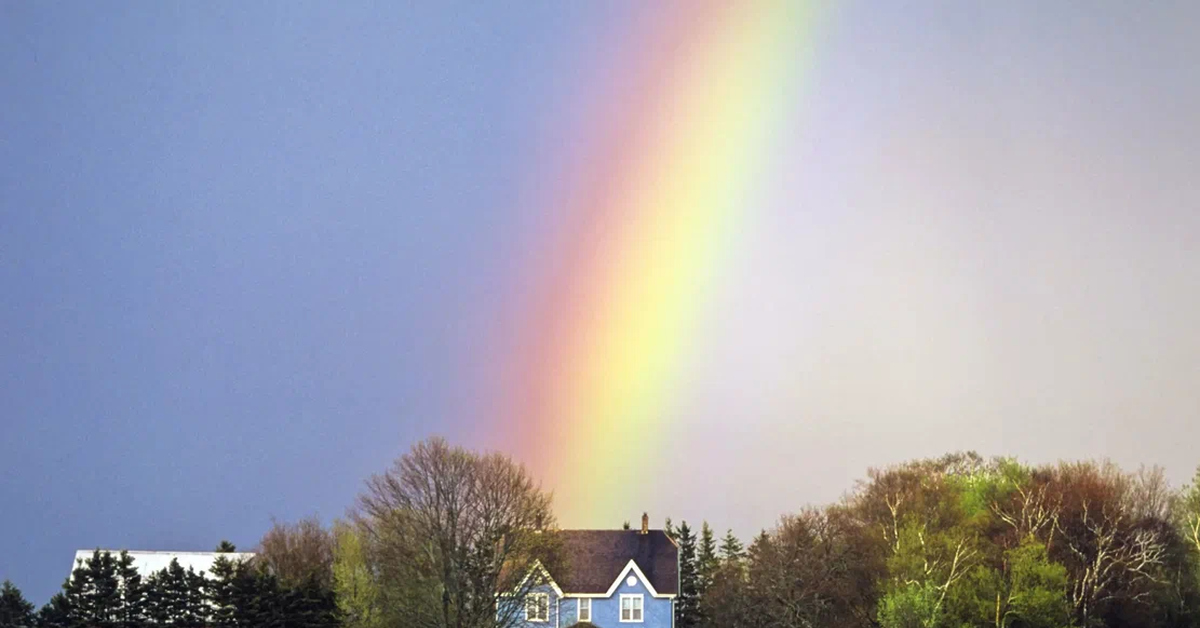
(585, 609)
(638, 606)
(530, 598)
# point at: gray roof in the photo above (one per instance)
(595, 558)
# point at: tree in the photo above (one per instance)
(706, 555)
(357, 591)
(92, 594)
(1114, 537)
(451, 529)
(133, 593)
(15, 610)
(57, 613)
(177, 596)
(225, 547)
(298, 552)
(688, 604)
(1027, 590)
(819, 569)
(731, 548)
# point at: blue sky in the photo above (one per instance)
(249, 253)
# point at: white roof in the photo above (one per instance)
(149, 562)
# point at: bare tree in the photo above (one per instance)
(457, 537)
(298, 552)
(1111, 527)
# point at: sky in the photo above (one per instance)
(251, 252)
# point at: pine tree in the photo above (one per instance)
(74, 603)
(731, 548)
(670, 529)
(225, 547)
(15, 610)
(133, 593)
(625, 526)
(687, 609)
(755, 551)
(57, 613)
(706, 558)
(222, 585)
(177, 596)
(706, 568)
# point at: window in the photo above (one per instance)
(537, 607)
(585, 609)
(631, 608)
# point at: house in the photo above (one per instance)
(611, 578)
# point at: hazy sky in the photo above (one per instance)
(250, 252)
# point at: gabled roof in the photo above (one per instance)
(594, 559)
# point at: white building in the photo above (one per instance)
(149, 562)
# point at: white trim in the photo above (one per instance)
(640, 608)
(632, 566)
(579, 609)
(537, 565)
(536, 596)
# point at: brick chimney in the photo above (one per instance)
(645, 523)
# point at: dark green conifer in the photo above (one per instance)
(731, 547)
(687, 609)
(15, 610)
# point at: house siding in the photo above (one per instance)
(554, 610)
(606, 612)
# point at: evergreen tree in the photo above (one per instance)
(706, 558)
(687, 610)
(133, 593)
(74, 590)
(731, 548)
(15, 610)
(93, 592)
(57, 613)
(670, 529)
(178, 597)
(625, 526)
(706, 567)
(221, 587)
(225, 547)
(761, 542)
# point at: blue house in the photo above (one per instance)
(610, 578)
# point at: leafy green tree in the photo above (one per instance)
(687, 613)
(15, 610)
(357, 591)
(1029, 591)
(731, 548)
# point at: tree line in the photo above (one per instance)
(953, 542)
(959, 542)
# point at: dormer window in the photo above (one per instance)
(537, 608)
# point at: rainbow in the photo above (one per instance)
(680, 149)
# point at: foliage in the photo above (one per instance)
(687, 607)
(731, 548)
(357, 591)
(15, 610)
